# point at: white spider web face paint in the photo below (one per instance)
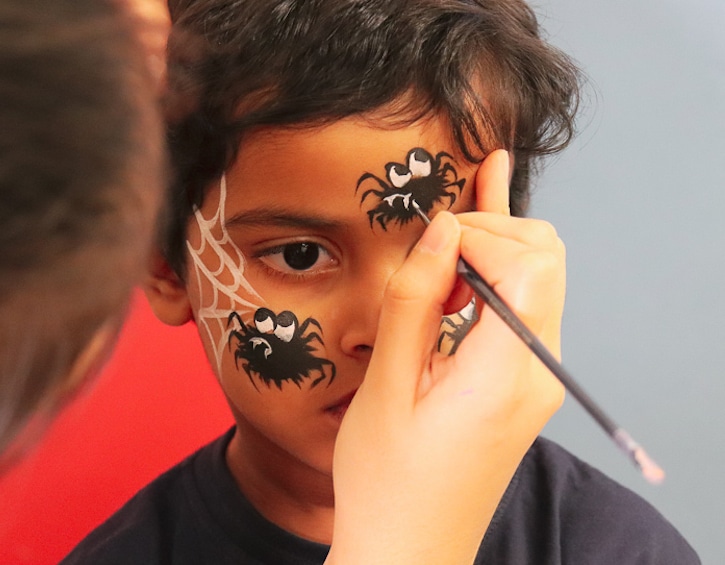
(225, 281)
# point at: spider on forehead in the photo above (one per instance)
(424, 178)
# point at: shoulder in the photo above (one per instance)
(142, 529)
(560, 505)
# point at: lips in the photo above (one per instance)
(338, 409)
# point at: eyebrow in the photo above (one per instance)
(281, 218)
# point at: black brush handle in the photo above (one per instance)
(496, 303)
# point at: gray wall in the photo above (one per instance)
(639, 200)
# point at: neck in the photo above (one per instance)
(285, 490)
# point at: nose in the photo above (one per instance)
(360, 308)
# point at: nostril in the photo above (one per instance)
(363, 348)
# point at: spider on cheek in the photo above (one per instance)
(276, 348)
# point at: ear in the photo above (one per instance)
(492, 182)
(166, 293)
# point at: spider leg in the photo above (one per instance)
(314, 336)
(459, 183)
(367, 176)
(306, 323)
(451, 196)
(456, 343)
(439, 157)
(448, 174)
(447, 320)
(447, 168)
(236, 333)
(235, 316)
(442, 337)
(380, 218)
(455, 181)
(459, 337)
(249, 374)
(321, 368)
(333, 371)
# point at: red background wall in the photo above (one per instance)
(155, 402)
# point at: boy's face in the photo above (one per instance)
(288, 259)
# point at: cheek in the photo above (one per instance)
(216, 292)
(216, 279)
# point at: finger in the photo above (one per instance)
(492, 183)
(459, 297)
(411, 311)
(530, 280)
(530, 231)
(532, 284)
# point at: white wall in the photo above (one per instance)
(639, 200)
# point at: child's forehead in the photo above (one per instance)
(350, 180)
(341, 151)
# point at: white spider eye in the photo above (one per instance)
(286, 326)
(419, 163)
(264, 320)
(397, 178)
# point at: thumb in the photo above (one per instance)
(492, 183)
(411, 312)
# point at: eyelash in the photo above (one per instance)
(289, 272)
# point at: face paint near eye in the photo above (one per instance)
(455, 327)
(214, 307)
(276, 350)
(424, 178)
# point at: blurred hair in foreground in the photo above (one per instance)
(81, 180)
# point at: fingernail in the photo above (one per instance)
(437, 235)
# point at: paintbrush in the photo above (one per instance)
(649, 469)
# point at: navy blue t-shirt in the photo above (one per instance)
(556, 510)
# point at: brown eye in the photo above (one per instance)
(301, 256)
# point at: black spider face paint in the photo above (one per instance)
(276, 349)
(426, 179)
(455, 327)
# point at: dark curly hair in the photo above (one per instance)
(240, 64)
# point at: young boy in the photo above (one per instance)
(303, 134)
